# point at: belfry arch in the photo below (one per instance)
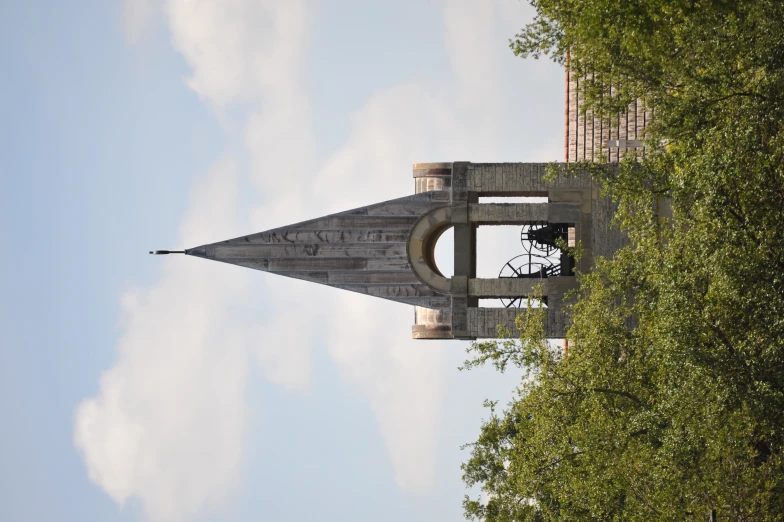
(572, 206)
(421, 247)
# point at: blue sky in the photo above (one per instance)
(141, 388)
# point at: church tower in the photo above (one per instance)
(386, 249)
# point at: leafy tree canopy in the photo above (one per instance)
(670, 401)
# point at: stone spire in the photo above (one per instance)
(361, 250)
(387, 250)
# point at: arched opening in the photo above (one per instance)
(495, 246)
(421, 248)
(444, 253)
(529, 251)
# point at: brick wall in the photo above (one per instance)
(586, 137)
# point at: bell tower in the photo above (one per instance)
(573, 211)
(386, 249)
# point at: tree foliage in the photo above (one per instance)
(670, 401)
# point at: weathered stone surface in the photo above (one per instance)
(460, 312)
(465, 250)
(284, 251)
(348, 277)
(507, 287)
(518, 179)
(460, 181)
(507, 213)
(564, 212)
(484, 322)
(302, 237)
(362, 250)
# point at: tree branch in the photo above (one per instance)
(617, 392)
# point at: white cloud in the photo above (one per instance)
(137, 16)
(401, 379)
(395, 128)
(168, 424)
(248, 51)
(290, 326)
(279, 142)
(239, 50)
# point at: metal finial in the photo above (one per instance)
(161, 252)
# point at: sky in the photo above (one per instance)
(141, 388)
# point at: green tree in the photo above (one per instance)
(670, 401)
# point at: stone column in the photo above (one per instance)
(430, 323)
